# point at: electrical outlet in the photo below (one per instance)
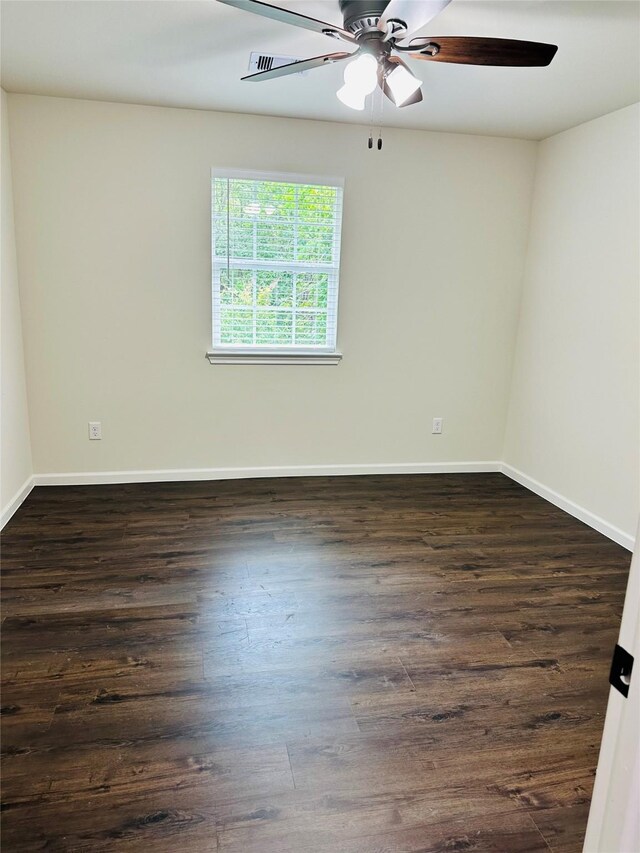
(436, 429)
(95, 430)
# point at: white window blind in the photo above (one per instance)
(275, 260)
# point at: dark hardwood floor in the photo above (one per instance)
(333, 665)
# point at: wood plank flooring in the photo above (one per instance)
(330, 665)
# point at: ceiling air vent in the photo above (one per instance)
(265, 62)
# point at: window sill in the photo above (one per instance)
(221, 357)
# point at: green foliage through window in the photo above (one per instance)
(276, 249)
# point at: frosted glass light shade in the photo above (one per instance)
(351, 97)
(360, 79)
(362, 73)
(402, 84)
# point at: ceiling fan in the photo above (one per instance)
(376, 28)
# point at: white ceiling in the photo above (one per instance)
(183, 53)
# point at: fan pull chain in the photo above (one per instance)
(372, 121)
(370, 142)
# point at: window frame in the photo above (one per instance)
(276, 353)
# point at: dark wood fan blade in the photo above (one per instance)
(411, 14)
(300, 65)
(285, 16)
(382, 82)
(472, 50)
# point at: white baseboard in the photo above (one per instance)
(185, 474)
(89, 478)
(574, 509)
(16, 501)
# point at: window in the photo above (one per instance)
(275, 261)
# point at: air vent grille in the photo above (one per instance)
(265, 62)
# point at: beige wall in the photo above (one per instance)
(15, 459)
(112, 212)
(573, 418)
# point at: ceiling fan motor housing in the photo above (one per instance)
(361, 16)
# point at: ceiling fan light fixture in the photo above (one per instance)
(360, 79)
(402, 84)
(375, 29)
(351, 97)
